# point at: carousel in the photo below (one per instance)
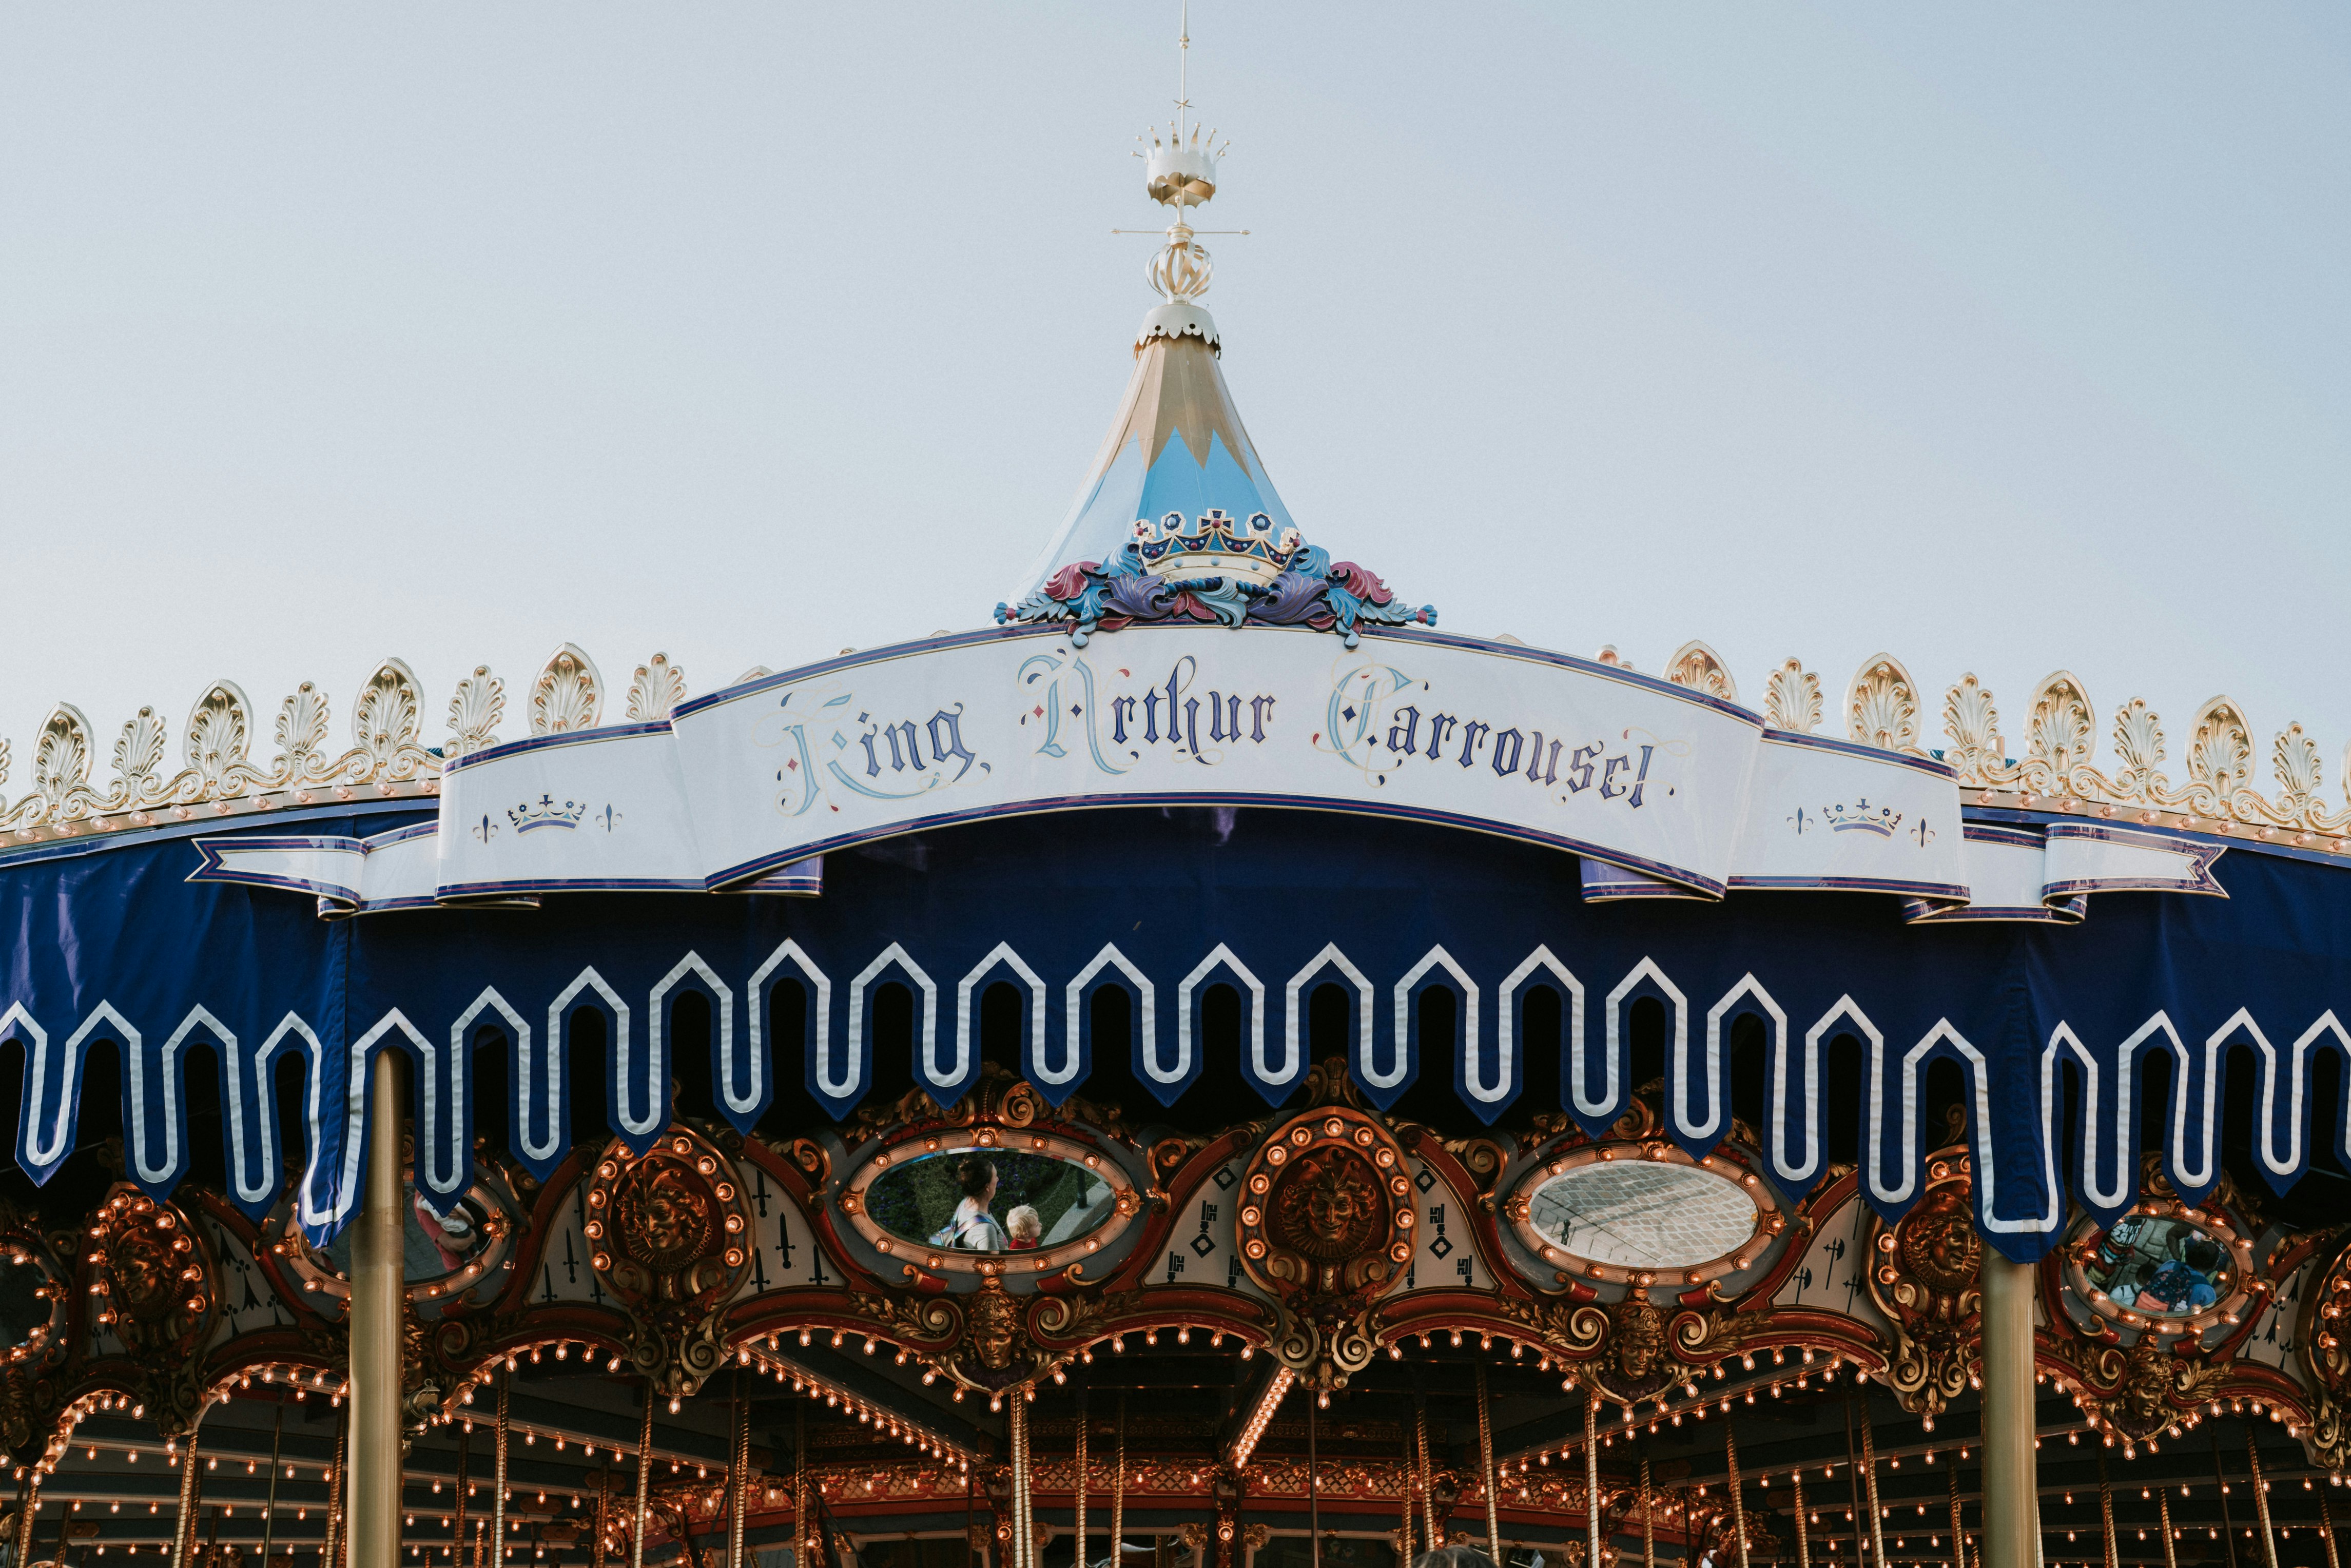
(1207, 1068)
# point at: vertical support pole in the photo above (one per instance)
(1423, 1480)
(269, 1507)
(1648, 1522)
(1486, 1470)
(1959, 1534)
(2107, 1510)
(645, 1478)
(740, 1469)
(2260, 1498)
(805, 1536)
(2326, 1532)
(1803, 1536)
(1314, 1492)
(1405, 1553)
(2163, 1514)
(1592, 1476)
(183, 1528)
(498, 1436)
(373, 1489)
(1078, 1559)
(330, 1551)
(29, 1508)
(457, 1523)
(1869, 1481)
(1118, 1494)
(603, 1517)
(2011, 1497)
(1737, 1502)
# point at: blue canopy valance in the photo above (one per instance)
(2052, 1028)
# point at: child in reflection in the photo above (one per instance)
(2185, 1283)
(973, 1229)
(1023, 1226)
(455, 1236)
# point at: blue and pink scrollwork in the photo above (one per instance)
(1310, 591)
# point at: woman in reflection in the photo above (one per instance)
(455, 1236)
(973, 1229)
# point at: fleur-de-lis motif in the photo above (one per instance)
(474, 714)
(2060, 736)
(1882, 707)
(1971, 721)
(1791, 698)
(1696, 665)
(568, 693)
(656, 691)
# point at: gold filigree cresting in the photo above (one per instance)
(1699, 667)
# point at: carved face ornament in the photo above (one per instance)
(1640, 1338)
(1329, 1208)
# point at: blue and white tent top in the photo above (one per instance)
(1177, 445)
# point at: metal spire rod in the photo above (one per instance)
(1803, 1537)
(183, 1528)
(1486, 1470)
(1738, 1503)
(1592, 1476)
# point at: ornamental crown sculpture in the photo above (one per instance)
(1217, 546)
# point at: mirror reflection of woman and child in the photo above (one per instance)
(2161, 1266)
(974, 1227)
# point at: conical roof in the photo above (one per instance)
(1177, 445)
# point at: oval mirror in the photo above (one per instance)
(2162, 1266)
(994, 1200)
(1643, 1214)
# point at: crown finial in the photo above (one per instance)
(1180, 172)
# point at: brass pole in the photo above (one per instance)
(736, 1518)
(1803, 1536)
(458, 1524)
(269, 1509)
(2163, 1511)
(644, 1479)
(330, 1551)
(1422, 1477)
(2011, 1498)
(1118, 1494)
(1486, 1470)
(2107, 1510)
(1738, 1503)
(1869, 1483)
(1078, 1527)
(29, 1508)
(1411, 1485)
(1024, 1518)
(498, 1439)
(373, 1489)
(1313, 1494)
(1592, 1476)
(603, 1516)
(1648, 1524)
(2260, 1498)
(802, 1554)
(2326, 1532)
(2221, 1482)
(183, 1528)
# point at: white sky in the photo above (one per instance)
(2000, 338)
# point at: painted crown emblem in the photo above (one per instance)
(1861, 817)
(1218, 546)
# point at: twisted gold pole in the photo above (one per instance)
(457, 1523)
(1803, 1534)
(2172, 1551)
(800, 1524)
(1118, 1494)
(2260, 1498)
(2326, 1532)
(1738, 1503)
(644, 1477)
(183, 1528)
(29, 1508)
(1648, 1525)
(1486, 1470)
(1427, 1492)
(1592, 1476)
(1958, 1532)
(1869, 1484)
(498, 1474)
(739, 1505)
(1079, 1559)
(603, 1516)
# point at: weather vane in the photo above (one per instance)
(1180, 172)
